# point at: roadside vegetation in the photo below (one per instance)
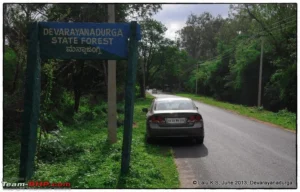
(80, 154)
(283, 118)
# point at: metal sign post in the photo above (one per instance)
(31, 106)
(129, 98)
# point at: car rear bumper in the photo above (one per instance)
(176, 132)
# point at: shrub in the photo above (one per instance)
(89, 113)
(54, 147)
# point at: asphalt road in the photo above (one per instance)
(237, 153)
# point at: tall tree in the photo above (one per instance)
(198, 36)
(153, 36)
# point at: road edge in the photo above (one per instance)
(187, 177)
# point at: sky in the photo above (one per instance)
(174, 16)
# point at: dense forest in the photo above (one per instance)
(223, 54)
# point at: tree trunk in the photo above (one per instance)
(14, 85)
(104, 64)
(77, 95)
(147, 75)
(142, 88)
(77, 85)
(144, 83)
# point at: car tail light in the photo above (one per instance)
(160, 118)
(192, 118)
(153, 118)
(195, 118)
(198, 118)
(157, 119)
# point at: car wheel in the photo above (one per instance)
(148, 139)
(199, 140)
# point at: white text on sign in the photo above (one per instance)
(82, 35)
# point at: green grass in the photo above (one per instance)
(283, 118)
(82, 156)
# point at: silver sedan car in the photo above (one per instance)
(174, 117)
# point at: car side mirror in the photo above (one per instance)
(197, 108)
(145, 110)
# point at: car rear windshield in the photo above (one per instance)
(174, 105)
